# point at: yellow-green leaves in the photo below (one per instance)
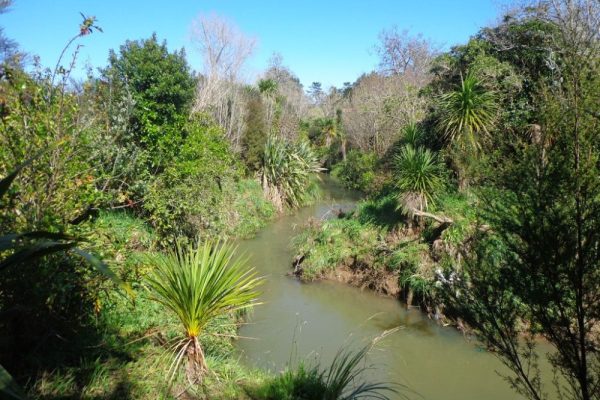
(201, 283)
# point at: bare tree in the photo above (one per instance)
(376, 109)
(224, 49)
(290, 101)
(403, 54)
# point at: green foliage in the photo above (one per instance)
(35, 123)
(54, 300)
(189, 197)
(250, 211)
(358, 171)
(127, 359)
(162, 89)
(198, 285)
(539, 261)
(323, 131)
(324, 247)
(408, 256)
(466, 111)
(267, 86)
(255, 131)
(341, 380)
(462, 209)
(419, 178)
(412, 134)
(287, 171)
(379, 211)
(533, 39)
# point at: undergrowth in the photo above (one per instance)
(376, 237)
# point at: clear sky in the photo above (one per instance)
(327, 41)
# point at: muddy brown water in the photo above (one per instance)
(312, 321)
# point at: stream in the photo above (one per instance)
(313, 321)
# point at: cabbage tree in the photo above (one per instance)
(199, 284)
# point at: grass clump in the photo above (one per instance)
(341, 380)
(379, 211)
(251, 210)
(326, 245)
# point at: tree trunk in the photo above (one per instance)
(409, 298)
(196, 366)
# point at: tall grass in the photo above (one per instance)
(341, 380)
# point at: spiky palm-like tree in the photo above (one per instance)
(467, 111)
(419, 178)
(412, 134)
(199, 284)
(287, 170)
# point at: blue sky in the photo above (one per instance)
(327, 41)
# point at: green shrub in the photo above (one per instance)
(411, 260)
(250, 211)
(419, 178)
(189, 197)
(162, 88)
(287, 172)
(341, 380)
(358, 171)
(60, 183)
(336, 242)
(120, 238)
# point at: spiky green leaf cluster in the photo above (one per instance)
(341, 380)
(288, 168)
(201, 283)
(468, 110)
(419, 178)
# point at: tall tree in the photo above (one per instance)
(536, 269)
(162, 88)
(316, 92)
(255, 130)
(403, 54)
(224, 50)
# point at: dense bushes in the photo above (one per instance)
(161, 87)
(358, 171)
(124, 141)
(37, 122)
(188, 198)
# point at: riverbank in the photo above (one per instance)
(376, 247)
(124, 352)
(311, 322)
